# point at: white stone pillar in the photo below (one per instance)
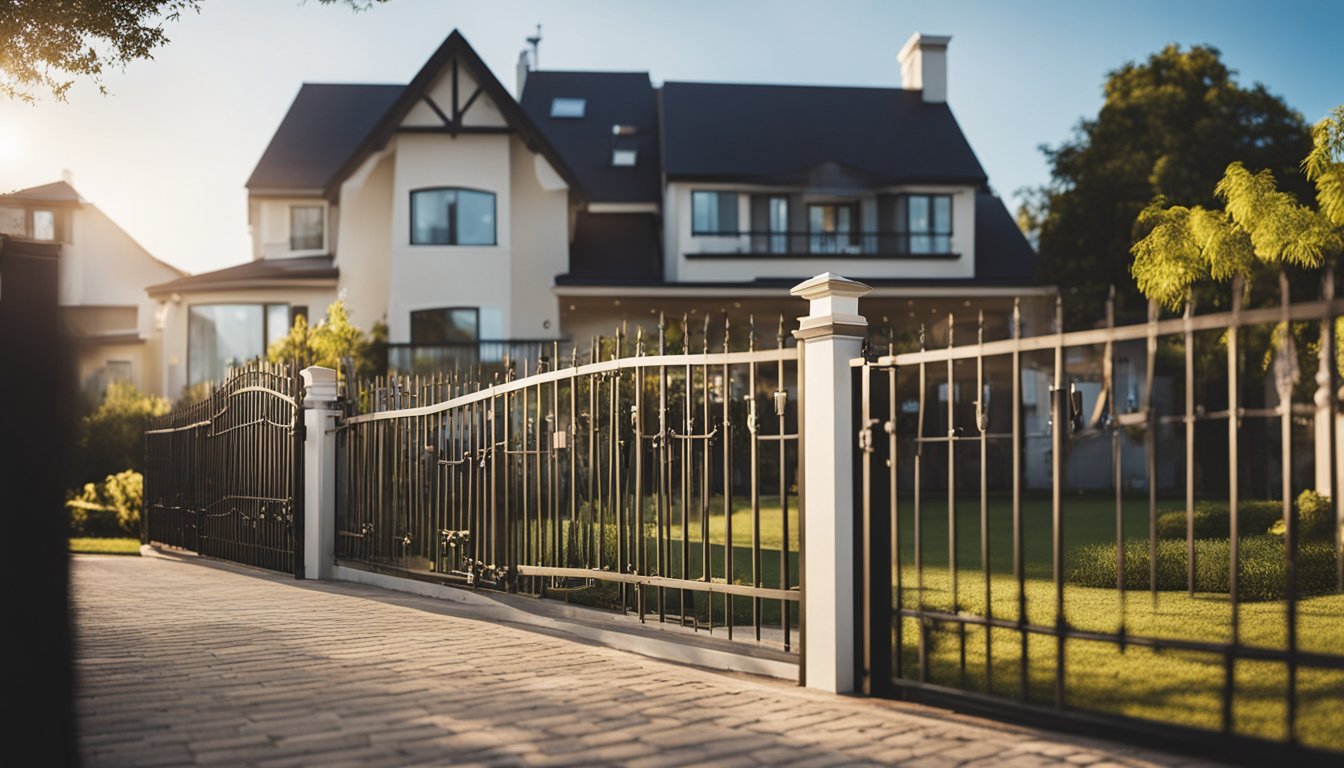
(319, 472)
(831, 335)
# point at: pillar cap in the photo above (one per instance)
(319, 384)
(829, 284)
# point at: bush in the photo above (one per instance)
(1263, 571)
(1315, 518)
(112, 438)
(110, 508)
(1212, 519)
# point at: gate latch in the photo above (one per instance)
(866, 435)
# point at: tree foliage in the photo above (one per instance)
(1168, 129)
(48, 46)
(1260, 225)
(332, 340)
(112, 437)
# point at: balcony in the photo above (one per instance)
(807, 245)
(495, 354)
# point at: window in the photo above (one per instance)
(624, 158)
(568, 108)
(446, 325)
(14, 221)
(713, 213)
(44, 225)
(305, 228)
(451, 216)
(117, 370)
(924, 223)
(779, 224)
(220, 336)
(832, 227)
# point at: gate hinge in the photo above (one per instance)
(866, 435)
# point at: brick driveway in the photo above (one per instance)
(192, 662)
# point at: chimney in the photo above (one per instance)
(523, 66)
(924, 66)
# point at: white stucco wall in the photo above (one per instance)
(104, 266)
(540, 245)
(268, 218)
(679, 241)
(364, 256)
(432, 276)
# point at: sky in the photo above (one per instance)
(167, 151)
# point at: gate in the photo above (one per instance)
(1080, 611)
(642, 477)
(224, 476)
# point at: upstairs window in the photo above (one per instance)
(713, 213)
(306, 230)
(924, 224)
(44, 225)
(568, 108)
(452, 216)
(448, 325)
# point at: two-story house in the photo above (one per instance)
(468, 219)
(103, 271)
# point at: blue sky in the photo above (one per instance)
(167, 153)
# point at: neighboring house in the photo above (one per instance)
(103, 272)
(469, 220)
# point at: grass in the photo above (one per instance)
(89, 546)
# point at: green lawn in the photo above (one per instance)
(85, 546)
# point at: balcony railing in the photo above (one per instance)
(407, 358)
(897, 245)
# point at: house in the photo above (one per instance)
(103, 271)
(477, 224)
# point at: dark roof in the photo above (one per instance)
(56, 192)
(455, 46)
(263, 273)
(323, 127)
(786, 134)
(1002, 253)
(613, 98)
(616, 246)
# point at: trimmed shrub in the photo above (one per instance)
(1263, 571)
(113, 436)
(1315, 518)
(110, 508)
(1212, 519)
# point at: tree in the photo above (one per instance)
(332, 340)
(1258, 227)
(1168, 129)
(112, 437)
(47, 46)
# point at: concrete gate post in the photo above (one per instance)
(831, 335)
(320, 413)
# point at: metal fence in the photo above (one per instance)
(223, 476)
(648, 475)
(979, 595)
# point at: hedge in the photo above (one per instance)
(1263, 572)
(1212, 519)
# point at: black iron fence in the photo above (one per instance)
(644, 475)
(223, 476)
(979, 594)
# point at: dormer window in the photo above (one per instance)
(568, 107)
(624, 158)
(306, 230)
(924, 224)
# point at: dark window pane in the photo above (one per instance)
(445, 326)
(713, 213)
(919, 214)
(475, 218)
(942, 215)
(305, 227)
(728, 212)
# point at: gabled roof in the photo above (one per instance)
(454, 46)
(611, 98)
(783, 134)
(1002, 253)
(262, 273)
(55, 192)
(324, 125)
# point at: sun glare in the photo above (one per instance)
(11, 141)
